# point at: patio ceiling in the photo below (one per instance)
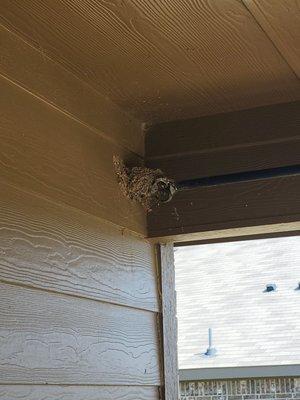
(170, 59)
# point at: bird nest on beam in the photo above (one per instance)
(146, 186)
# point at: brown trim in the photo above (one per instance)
(268, 235)
(270, 201)
(240, 129)
(243, 232)
(251, 140)
(260, 156)
(238, 142)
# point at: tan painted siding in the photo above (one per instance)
(56, 339)
(45, 78)
(47, 152)
(45, 392)
(78, 295)
(65, 251)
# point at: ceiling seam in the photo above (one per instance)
(243, 2)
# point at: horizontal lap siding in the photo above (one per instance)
(60, 336)
(78, 295)
(56, 339)
(46, 152)
(47, 246)
(45, 392)
(42, 76)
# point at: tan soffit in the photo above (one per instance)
(281, 22)
(163, 60)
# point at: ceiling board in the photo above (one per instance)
(160, 60)
(281, 22)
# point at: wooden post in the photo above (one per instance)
(169, 321)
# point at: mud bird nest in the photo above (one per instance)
(146, 186)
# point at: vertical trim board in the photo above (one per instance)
(169, 321)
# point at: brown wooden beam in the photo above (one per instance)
(228, 206)
(260, 138)
(252, 140)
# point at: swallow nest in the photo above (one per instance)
(146, 186)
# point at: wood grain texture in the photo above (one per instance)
(231, 234)
(239, 205)
(261, 138)
(171, 379)
(281, 22)
(51, 247)
(32, 69)
(46, 152)
(38, 392)
(275, 123)
(57, 339)
(229, 161)
(160, 61)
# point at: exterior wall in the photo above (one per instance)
(78, 282)
(241, 389)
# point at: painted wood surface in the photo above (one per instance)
(46, 392)
(46, 152)
(269, 201)
(166, 61)
(171, 378)
(280, 20)
(232, 234)
(47, 246)
(33, 70)
(229, 161)
(64, 270)
(56, 339)
(261, 138)
(274, 123)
